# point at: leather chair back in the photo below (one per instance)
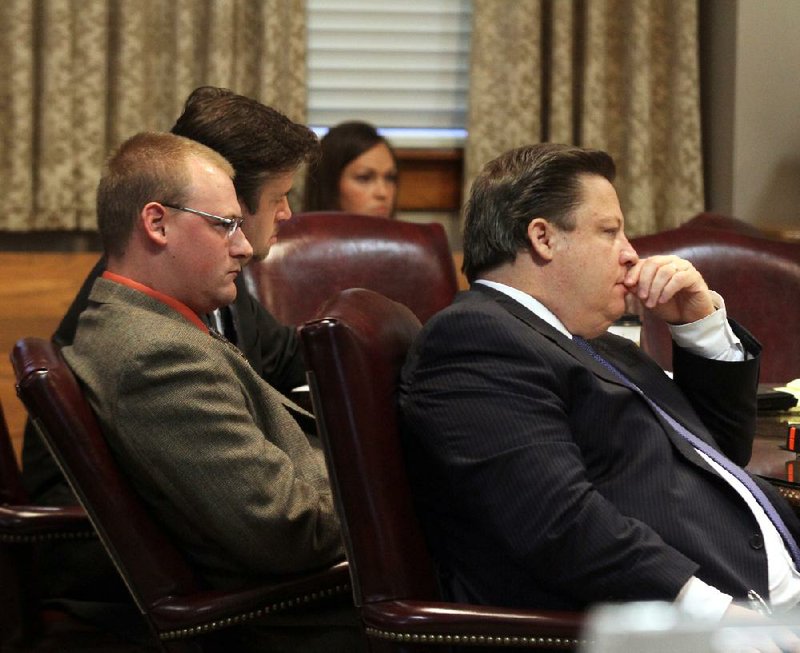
(355, 354)
(176, 605)
(318, 254)
(759, 278)
(22, 527)
(707, 220)
(14, 605)
(149, 563)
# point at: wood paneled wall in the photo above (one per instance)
(429, 180)
(37, 289)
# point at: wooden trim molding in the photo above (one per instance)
(429, 179)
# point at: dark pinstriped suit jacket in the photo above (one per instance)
(543, 481)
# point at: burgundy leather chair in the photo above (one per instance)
(354, 355)
(318, 254)
(759, 278)
(22, 526)
(707, 220)
(176, 606)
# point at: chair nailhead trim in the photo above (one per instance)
(200, 629)
(475, 640)
(9, 538)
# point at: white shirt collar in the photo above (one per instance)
(533, 305)
(711, 337)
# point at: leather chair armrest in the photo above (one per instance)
(428, 622)
(184, 616)
(38, 523)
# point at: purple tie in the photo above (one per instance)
(708, 450)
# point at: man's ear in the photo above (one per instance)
(152, 219)
(540, 235)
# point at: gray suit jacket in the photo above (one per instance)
(543, 481)
(216, 453)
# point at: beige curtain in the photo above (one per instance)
(619, 75)
(79, 76)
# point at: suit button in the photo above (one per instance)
(757, 542)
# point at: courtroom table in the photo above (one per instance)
(771, 460)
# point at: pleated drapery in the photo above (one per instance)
(618, 75)
(77, 77)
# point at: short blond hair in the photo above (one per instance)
(148, 167)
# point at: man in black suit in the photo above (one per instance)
(549, 459)
(265, 148)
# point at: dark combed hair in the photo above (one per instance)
(259, 141)
(341, 145)
(541, 180)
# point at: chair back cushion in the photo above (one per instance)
(354, 354)
(759, 279)
(318, 254)
(708, 220)
(150, 564)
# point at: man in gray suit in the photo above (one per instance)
(266, 148)
(217, 454)
(556, 465)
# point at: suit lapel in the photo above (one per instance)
(658, 387)
(305, 419)
(661, 390)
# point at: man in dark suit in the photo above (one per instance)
(553, 463)
(266, 148)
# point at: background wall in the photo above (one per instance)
(750, 57)
(751, 109)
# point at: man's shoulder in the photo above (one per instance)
(120, 297)
(115, 301)
(487, 309)
(468, 309)
(123, 325)
(475, 301)
(487, 320)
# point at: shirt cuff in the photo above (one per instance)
(701, 600)
(710, 337)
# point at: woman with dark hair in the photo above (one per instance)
(356, 172)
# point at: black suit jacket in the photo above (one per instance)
(543, 481)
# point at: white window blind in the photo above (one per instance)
(395, 64)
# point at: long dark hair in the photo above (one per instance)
(341, 145)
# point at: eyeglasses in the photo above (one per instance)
(231, 224)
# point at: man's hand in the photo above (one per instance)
(670, 288)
